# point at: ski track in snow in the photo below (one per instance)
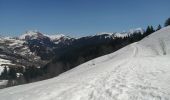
(115, 85)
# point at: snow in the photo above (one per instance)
(137, 30)
(3, 83)
(32, 34)
(16, 43)
(1, 40)
(122, 34)
(37, 35)
(140, 71)
(131, 31)
(28, 33)
(55, 37)
(11, 42)
(3, 62)
(103, 33)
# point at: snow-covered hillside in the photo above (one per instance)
(140, 71)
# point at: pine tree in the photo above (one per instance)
(4, 74)
(149, 30)
(12, 73)
(167, 22)
(159, 27)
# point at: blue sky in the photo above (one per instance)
(80, 17)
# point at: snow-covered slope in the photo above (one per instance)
(140, 71)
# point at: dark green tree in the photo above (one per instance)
(159, 27)
(12, 73)
(4, 74)
(152, 29)
(149, 30)
(167, 22)
(32, 73)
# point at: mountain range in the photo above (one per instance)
(35, 49)
(137, 71)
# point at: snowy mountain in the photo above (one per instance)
(16, 53)
(56, 36)
(139, 71)
(32, 45)
(29, 35)
(60, 38)
(122, 34)
(137, 30)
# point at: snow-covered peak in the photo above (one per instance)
(115, 34)
(56, 36)
(123, 34)
(137, 30)
(31, 35)
(105, 33)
